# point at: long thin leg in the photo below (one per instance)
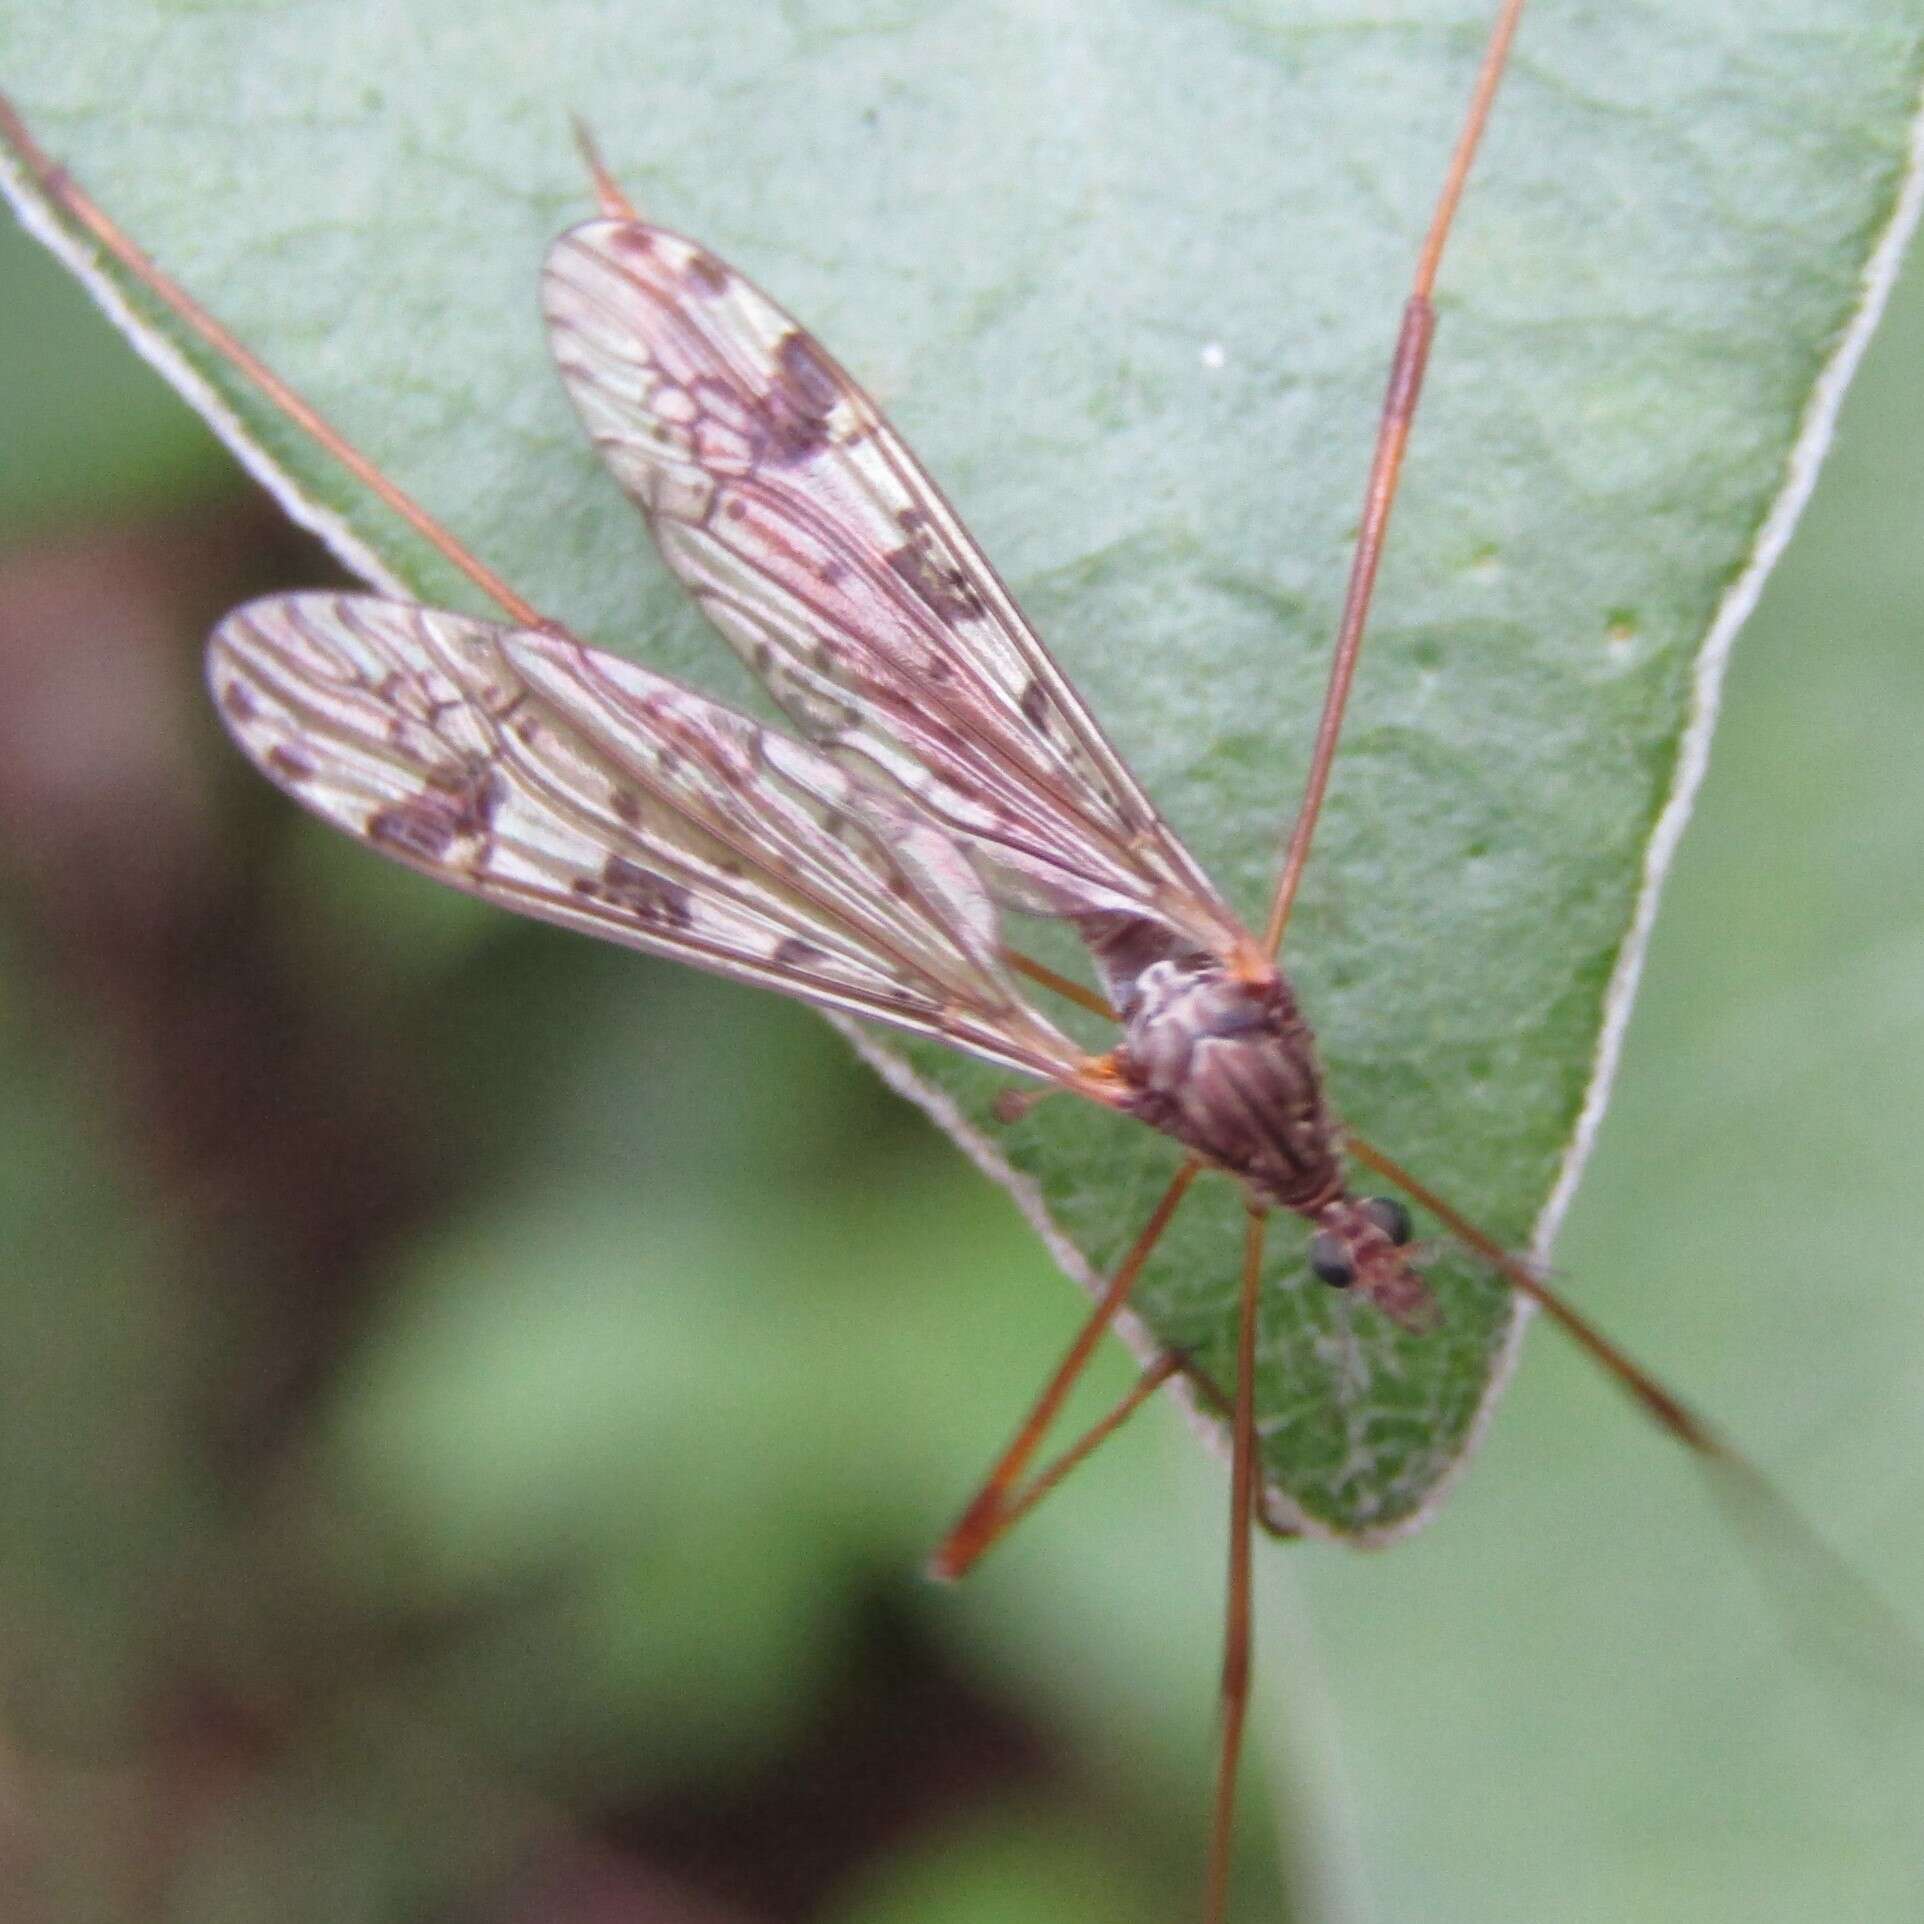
(983, 1519)
(1206, 1387)
(72, 199)
(1831, 1602)
(1664, 1405)
(1169, 1363)
(1065, 986)
(1237, 1613)
(1392, 436)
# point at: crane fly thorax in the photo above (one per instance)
(1227, 1066)
(1224, 1062)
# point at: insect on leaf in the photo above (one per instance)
(1149, 380)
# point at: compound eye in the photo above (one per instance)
(1329, 1262)
(1389, 1216)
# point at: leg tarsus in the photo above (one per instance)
(614, 204)
(1169, 1363)
(1237, 1612)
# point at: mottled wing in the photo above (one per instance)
(574, 786)
(815, 542)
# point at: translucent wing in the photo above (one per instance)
(815, 542)
(580, 788)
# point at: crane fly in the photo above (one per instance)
(942, 772)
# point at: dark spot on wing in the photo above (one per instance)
(290, 763)
(947, 591)
(416, 828)
(477, 790)
(651, 899)
(792, 417)
(238, 700)
(791, 952)
(636, 242)
(626, 805)
(708, 274)
(807, 371)
(1035, 703)
(459, 801)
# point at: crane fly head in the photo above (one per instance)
(1360, 1244)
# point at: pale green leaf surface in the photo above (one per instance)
(1035, 234)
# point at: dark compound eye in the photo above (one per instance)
(1329, 1262)
(1389, 1216)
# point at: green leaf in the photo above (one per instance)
(1128, 276)
(1010, 1870)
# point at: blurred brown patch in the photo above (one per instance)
(138, 924)
(135, 856)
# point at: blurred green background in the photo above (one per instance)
(473, 1405)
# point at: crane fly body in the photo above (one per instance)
(948, 770)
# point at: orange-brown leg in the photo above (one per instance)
(79, 207)
(1830, 1602)
(985, 1517)
(1662, 1404)
(614, 204)
(1065, 986)
(1237, 1613)
(1169, 1363)
(1392, 437)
